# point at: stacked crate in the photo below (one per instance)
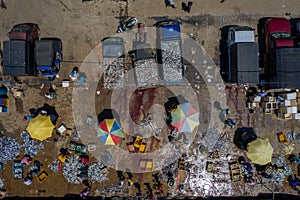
(297, 115)
(269, 104)
(4, 100)
(288, 109)
(253, 102)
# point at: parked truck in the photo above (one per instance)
(169, 50)
(243, 66)
(27, 32)
(18, 52)
(113, 50)
(145, 66)
(281, 59)
(48, 55)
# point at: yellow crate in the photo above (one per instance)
(138, 141)
(142, 148)
(42, 177)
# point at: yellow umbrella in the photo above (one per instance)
(40, 127)
(260, 151)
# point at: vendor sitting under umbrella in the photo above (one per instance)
(26, 160)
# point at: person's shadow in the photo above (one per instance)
(184, 6)
(148, 187)
(3, 5)
(217, 105)
(167, 2)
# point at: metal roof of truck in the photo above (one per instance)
(244, 63)
(170, 31)
(286, 62)
(44, 52)
(16, 58)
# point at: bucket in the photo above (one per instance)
(4, 101)
(3, 109)
(3, 90)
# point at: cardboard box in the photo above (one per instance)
(61, 129)
(287, 102)
(252, 105)
(291, 109)
(257, 99)
(65, 84)
(294, 102)
(285, 116)
(296, 115)
(290, 96)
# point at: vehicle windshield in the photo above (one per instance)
(281, 35)
(21, 28)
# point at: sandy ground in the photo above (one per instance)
(81, 26)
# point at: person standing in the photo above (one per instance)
(170, 3)
(28, 179)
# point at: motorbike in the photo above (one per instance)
(124, 26)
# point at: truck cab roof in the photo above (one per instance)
(113, 47)
(238, 34)
(170, 29)
(25, 31)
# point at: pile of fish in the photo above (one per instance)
(54, 165)
(146, 72)
(171, 59)
(30, 146)
(114, 73)
(97, 171)
(279, 175)
(71, 169)
(9, 149)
